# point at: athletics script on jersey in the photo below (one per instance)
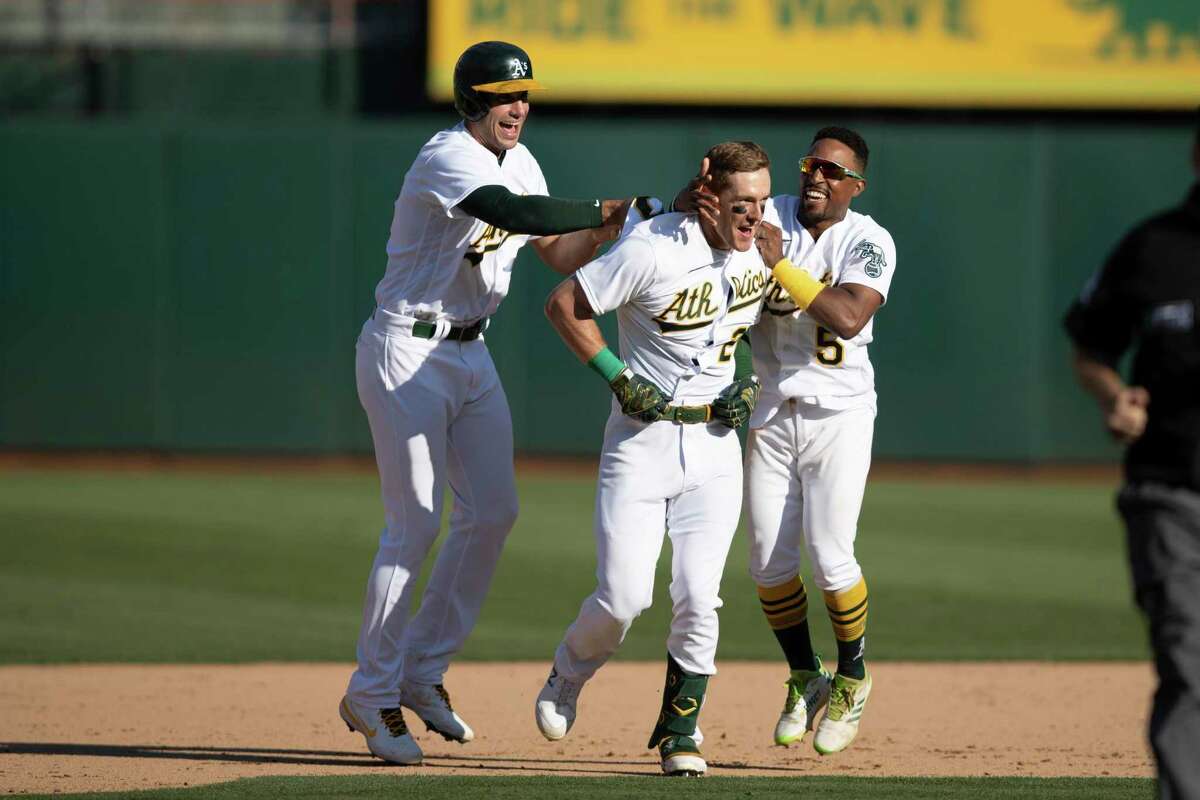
(693, 307)
(491, 239)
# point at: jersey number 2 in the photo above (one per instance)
(829, 350)
(728, 347)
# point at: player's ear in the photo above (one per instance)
(860, 186)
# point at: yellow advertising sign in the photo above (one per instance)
(1043, 53)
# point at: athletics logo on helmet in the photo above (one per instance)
(490, 67)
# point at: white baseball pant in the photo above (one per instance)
(437, 412)
(806, 472)
(684, 480)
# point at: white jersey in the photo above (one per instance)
(681, 305)
(794, 356)
(442, 262)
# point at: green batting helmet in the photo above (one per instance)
(495, 67)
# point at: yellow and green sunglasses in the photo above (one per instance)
(832, 170)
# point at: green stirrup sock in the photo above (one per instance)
(683, 695)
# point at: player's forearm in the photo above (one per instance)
(537, 215)
(838, 310)
(845, 310)
(569, 313)
(569, 251)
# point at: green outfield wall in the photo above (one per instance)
(193, 286)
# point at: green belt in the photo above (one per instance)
(426, 330)
(688, 415)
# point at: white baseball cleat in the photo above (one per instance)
(555, 706)
(808, 692)
(387, 735)
(839, 726)
(431, 703)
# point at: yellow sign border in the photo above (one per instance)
(953, 53)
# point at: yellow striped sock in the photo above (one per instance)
(848, 611)
(785, 605)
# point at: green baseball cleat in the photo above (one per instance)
(681, 757)
(839, 726)
(808, 692)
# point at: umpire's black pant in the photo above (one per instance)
(1163, 534)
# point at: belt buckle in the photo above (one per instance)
(690, 415)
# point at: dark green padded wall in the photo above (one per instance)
(83, 265)
(200, 286)
(255, 304)
(1094, 200)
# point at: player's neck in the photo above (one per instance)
(497, 151)
(816, 227)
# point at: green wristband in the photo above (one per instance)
(607, 365)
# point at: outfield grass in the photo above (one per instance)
(194, 567)
(655, 788)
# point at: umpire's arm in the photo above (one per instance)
(1125, 408)
(1101, 324)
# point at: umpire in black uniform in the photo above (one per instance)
(1147, 297)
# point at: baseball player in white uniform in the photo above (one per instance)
(473, 196)
(684, 292)
(809, 448)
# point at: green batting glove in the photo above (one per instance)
(639, 398)
(736, 402)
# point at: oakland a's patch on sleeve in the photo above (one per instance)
(873, 255)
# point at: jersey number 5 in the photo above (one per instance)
(829, 350)
(728, 348)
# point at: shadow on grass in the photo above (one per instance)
(341, 758)
(244, 755)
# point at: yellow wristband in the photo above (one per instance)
(798, 283)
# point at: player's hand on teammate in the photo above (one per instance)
(639, 397)
(612, 214)
(769, 241)
(698, 197)
(736, 402)
(1126, 416)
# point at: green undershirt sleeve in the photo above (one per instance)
(533, 214)
(742, 358)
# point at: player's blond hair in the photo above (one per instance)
(726, 158)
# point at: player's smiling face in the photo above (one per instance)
(824, 198)
(500, 130)
(742, 199)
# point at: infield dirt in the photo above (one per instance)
(121, 727)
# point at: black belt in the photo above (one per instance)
(688, 415)
(467, 333)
